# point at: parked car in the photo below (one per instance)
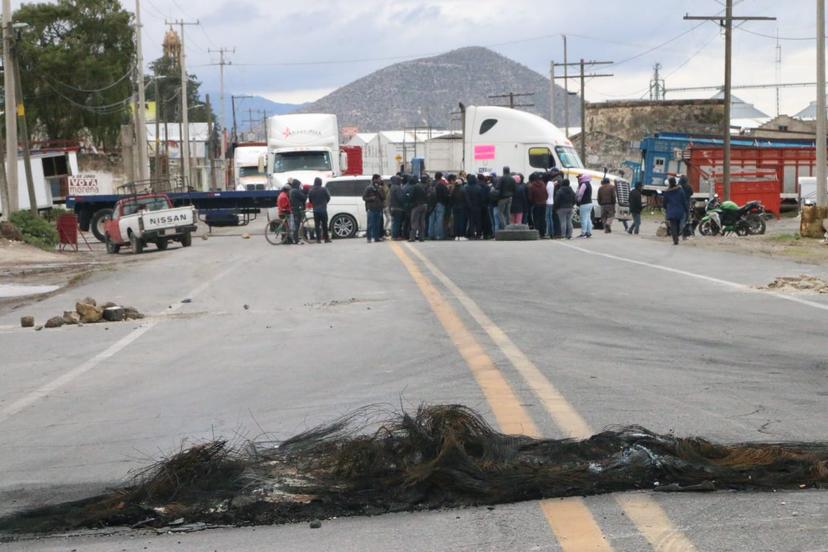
(151, 218)
(346, 210)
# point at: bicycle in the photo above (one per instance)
(280, 232)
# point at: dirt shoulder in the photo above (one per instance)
(780, 240)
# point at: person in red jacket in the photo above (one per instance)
(283, 205)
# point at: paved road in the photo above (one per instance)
(572, 337)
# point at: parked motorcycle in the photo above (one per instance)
(726, 217)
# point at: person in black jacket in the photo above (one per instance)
(374, 198)
(396, 207)
(564, 203)
(505, 192)
(520, 202)
(459, 212)
(319, 198)
(686, 227)
(636, 206)
(414, 194)
(475, 206)
(298, 199)
(437, 208)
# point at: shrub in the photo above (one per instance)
(35, 229)
(53, 213)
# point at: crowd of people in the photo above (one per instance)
(475, 207)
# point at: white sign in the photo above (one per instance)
(90, 184)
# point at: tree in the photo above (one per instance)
(76, 62)
(168, 107)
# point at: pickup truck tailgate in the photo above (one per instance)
(168, 218)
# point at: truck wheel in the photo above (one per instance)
(187, 239)
(137, 245)
(111, 247)
(161, 244)
(97, 223)
(343, 226)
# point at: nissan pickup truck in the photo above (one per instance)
(151, 218)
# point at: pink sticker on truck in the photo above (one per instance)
(484, 152)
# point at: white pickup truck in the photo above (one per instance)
(151, 218)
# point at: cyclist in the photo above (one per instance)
(283, 208)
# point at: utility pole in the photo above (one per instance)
(185, 118)
(210, 145)
(233, 108)
(566, 88)
(726, 23)
(512, 96)
(583, 76)
(158, 104)
(11, 122)
(140, 113)
(24, 127)
(821, 192)
(552, 92)
(222, 62)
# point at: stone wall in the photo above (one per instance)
(615, 129)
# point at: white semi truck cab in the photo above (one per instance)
(302, 146)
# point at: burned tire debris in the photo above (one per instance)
(372, 461)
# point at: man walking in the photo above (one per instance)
(686, 226)
(584, 201)
(374, 198)
(538, 197)
(675, 207)
(298, 198)
(319, 198)
(636, 206)
(606, 201)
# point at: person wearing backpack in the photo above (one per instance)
(374, 198)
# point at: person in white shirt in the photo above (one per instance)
(553, 225)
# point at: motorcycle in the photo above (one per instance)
(726, 217)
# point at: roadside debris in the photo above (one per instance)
(87, 312)
(440, 456)
(803, 282)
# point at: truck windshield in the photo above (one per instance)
(569, 157)
(301, 161)
(145, 203)
(250, 171)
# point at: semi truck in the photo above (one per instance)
(302, 146)
(248, 173)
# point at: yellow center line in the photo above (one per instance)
(570, 519)
(643, 510)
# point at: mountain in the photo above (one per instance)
(247, 107)
(427, 91)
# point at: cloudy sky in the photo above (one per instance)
(298, 50)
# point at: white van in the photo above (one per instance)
(346, 210)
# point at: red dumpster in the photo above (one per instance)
(67, 227)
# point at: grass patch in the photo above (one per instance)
(35, 229)
(785, 238)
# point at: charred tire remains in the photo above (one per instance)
(440, 456)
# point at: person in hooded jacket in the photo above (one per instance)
(607, 199)
(319, 198)
(520, 201)
(419, 204)
(298, 199)
(674, 202)
(374, 198)
(473, 194)
(396, 207)
(538, 197)
(636, 206)
(505, 193)
(437, 207)
(459, 213)
(584, 201)
(564, 202)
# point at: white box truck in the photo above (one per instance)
(303, 146)
(248, 172)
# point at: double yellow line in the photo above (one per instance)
(570, 520)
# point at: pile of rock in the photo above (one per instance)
(87, 311)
